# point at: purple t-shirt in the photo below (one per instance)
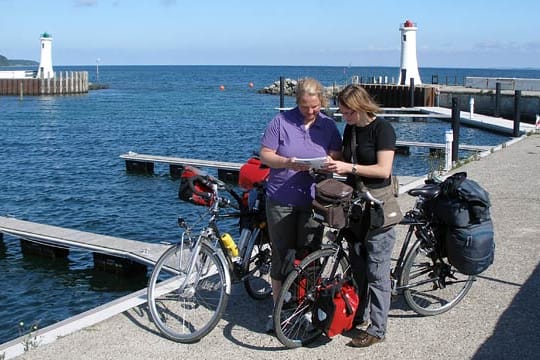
(287, 135)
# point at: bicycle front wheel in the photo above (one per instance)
(187, 306)
(292, 311)
(430, 285)
(256, 265)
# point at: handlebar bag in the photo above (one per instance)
(332, 200)
(194, 188)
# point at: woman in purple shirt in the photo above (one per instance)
(303, 132)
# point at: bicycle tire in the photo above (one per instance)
(257, 264)
(437, 287)
(292, 312)
(188, 315)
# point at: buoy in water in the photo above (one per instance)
(222, 87)
(250, 84)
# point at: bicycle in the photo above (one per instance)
(430, 284)
(190, 284)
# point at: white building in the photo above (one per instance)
(409, 64)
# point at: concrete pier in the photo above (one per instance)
(496, 320)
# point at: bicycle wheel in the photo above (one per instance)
(256, 265)
(292, 311)
(432, 286)
(187, 307)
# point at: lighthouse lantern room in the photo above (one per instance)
(45, 70)
(409, 65)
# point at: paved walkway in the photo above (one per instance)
(499, 318)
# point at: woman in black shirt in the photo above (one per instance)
(368, 153)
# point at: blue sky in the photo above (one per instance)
(457, 33)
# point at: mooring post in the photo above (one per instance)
(281, 93)
(517, 112)
(497, 99)
(449, 138)
(455, 128)
(411, 92)
(21, 90)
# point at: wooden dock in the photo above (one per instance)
(228, 171)
(144, 163)
(106, 248)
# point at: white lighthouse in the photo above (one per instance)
(45, 70)
(409, 65)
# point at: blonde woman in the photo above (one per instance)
(302, 132)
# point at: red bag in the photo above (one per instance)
(252, 173)
(334, 307)
(194, 188)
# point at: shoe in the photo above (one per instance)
(364, 340)
(269, 328)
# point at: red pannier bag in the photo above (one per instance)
(252, 173)
(335, 306)
(194, 188)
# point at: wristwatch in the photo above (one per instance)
(353, 169)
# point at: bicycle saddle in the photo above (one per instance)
(427, 191)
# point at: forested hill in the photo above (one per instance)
(4, 61)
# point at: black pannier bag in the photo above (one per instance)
(332, 200)
(194, 188)
(470, 249)
(462, 210)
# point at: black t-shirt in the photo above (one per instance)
(378, 135)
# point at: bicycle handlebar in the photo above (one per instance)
(369, 197)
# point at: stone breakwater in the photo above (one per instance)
(289, 88)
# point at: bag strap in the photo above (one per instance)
(348, 305)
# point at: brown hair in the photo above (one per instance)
(356, 98)
(310, 86)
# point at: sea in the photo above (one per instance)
(60, 164)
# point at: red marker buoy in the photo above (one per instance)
(222, 87)
(250, 84)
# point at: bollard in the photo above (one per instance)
(448, 138)
(497, 99)
(281, 92)
(455, 128)
(517, 112)
(471, 108)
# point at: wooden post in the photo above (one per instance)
(411, 93)
(281, 92)
(517, 112)
(455, 128)
(497, 99)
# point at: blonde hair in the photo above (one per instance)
(311, 87)
(356, 98)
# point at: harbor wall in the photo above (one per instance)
(63, 83)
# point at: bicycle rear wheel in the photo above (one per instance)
(292, 311)
(431, 285)
(256, 265)
(186, 308)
